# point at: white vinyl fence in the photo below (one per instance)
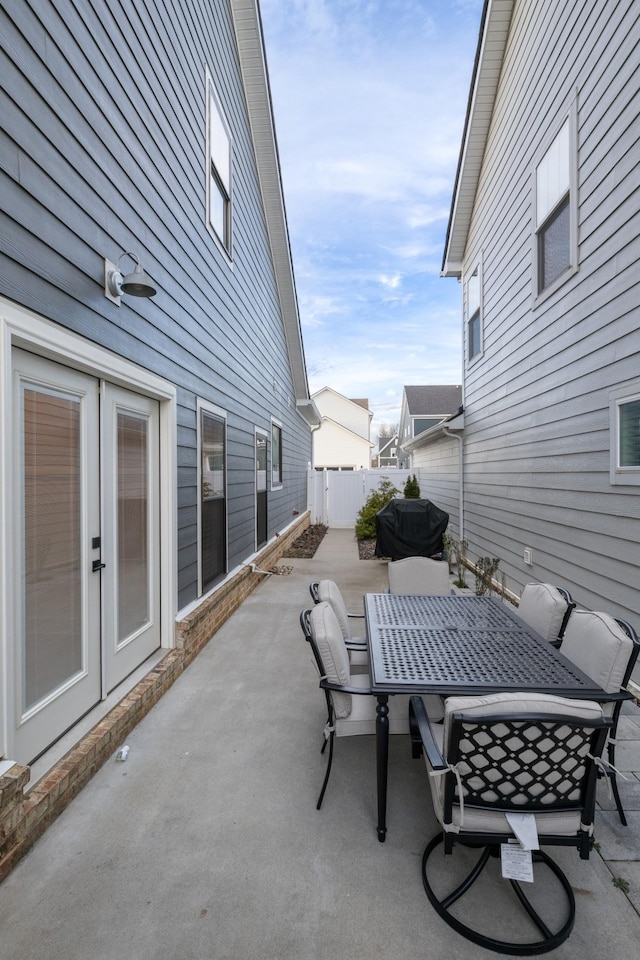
(335, 496)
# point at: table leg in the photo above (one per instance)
(382, 762)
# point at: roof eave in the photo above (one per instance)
(492, 41)
(249, 37)
(453, 424)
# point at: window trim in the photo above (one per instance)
(539, 296)
(477, 314)
(621, 476)
(278, 484)
(225, 244)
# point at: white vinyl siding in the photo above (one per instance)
(537, 424)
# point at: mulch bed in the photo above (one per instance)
(305, 546)
(367, 549)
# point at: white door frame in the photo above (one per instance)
(22, 328)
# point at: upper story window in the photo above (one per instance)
(276, 455)
(474, 315)
(556, 210)
(218, 171)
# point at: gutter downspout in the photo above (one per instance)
(459, 438)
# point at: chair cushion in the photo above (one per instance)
(543, 607)
(328, 591)
(328, 638)
(362, 718)
(419, 576)
(599, 646)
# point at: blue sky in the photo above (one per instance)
(369, 99)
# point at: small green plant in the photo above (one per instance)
(366, 522)
(621, 884)
(485, 569)
(412, 488)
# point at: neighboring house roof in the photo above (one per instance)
(389, 441)
(494, 30)
(246, 18)
(453, 423)
(434, 400)
(359, 403)
(352, 433)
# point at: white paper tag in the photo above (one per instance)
(517, 864)
(524, 827)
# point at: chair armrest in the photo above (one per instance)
(343, 688)
(422, 737)
(356, 616)
(356, 644)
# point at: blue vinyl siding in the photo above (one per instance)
(102, 150)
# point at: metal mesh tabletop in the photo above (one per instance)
(462, 645)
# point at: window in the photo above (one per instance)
(212, 502)
(629, 433)
(474, 330)
(555, 238)
(276, 455)
(218, 172)
(625, 432)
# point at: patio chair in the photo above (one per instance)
(419, 576)
(351, 707)
(606, 650)
(547, 609)
(495, 756)
(328, 590)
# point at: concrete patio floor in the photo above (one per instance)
(206, 844)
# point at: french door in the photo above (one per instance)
(86, 522)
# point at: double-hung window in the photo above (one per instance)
(474, 319)
(555, 210)
(218, 171)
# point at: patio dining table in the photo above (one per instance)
(457, 646)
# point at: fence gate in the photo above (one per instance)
(336, 496)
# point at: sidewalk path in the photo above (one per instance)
(206, 844)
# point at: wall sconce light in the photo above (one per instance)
(136, 284)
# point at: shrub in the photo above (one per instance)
(366, 522)
(456, 552)
(412, 488)
(485, 569)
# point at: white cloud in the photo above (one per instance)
(369, 101)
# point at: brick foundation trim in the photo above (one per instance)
(25, 818)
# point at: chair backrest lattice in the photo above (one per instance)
(523, 764)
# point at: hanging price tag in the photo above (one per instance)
(517, 864)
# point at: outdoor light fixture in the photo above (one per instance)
(136, 284)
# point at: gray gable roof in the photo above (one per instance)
(428, 401)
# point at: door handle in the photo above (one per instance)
(97, 565)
